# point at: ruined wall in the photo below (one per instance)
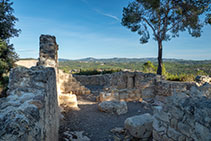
(94, 80)
(48, 51)
(127, 86)
(69, 85)
(30, 112)
(130, 86)
(185, 116)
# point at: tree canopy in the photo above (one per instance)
(165, 18)
(7, 58)
(7, 21)
(7, 30)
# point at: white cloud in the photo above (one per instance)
(106, 14)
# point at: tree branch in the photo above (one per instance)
(153, 29)
(174, 25)
(165, 20)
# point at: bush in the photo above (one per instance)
(7, 58)
(180, 77)
(148, 67)
(96, 72)
(3, 86)
(201, 72)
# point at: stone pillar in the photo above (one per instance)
(49, 55)
(48, 51)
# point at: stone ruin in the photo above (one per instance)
(30, 112)
(48, 51)
(182, 111)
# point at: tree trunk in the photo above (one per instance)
(160, 62)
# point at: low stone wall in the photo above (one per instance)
(130, 86)
(93, 80)
(69, 85)
(127, 86)
(185, 116)
(30, 112)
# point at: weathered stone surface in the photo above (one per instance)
(173, 134)
(94, 80)
(68, 84)
(118, 130)
(131, 86)
(167, 88)
(48, 51)
(189, 117)
(202, 132)
(201, 79)
(140, 126)
(148, 92)
(113, 107)
(107, 97)
(68, 100)
(205, 90)
(75, 136)
(30, 112)
(158, 126)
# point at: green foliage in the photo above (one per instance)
(201, 72)
(96, 72)
(85, 65)
(172, 70)
(180, 77)
(148, 67)
(3, 86)
(7, 30)
(165, 18)
(7, 58)
(7, 21)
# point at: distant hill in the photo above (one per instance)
(141, 60)
(63, 60)
(27, 59)
(126, 60)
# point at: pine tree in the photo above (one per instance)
(165, 18)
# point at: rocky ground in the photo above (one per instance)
(97, 125)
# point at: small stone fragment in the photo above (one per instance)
(113, 107)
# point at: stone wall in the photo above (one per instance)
(69, 85)
(93, 80)
(127, 86)
(130, 86)
(185, 116)
(30, 112)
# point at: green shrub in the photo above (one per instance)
(172, 77)
(96, 72)
(3, 86)
(180, 77)
(201, 72)
(148, 67)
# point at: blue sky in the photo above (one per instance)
(92, 28)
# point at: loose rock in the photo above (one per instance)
(140, 126)
(113, 107)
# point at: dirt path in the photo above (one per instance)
(95, 124)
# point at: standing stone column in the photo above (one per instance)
(49, 56)
(48, 51)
